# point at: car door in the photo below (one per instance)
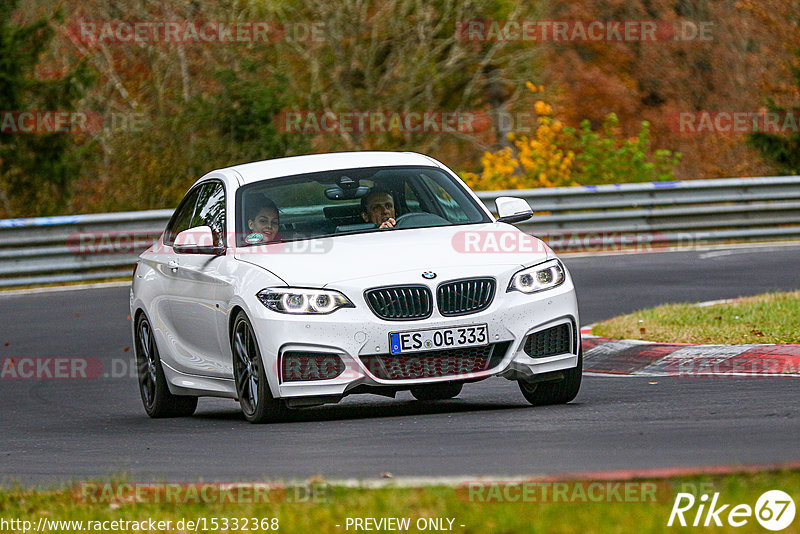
(193, 288)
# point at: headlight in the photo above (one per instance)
(540, 277)
(300, 301)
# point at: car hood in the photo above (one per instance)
(320, 262)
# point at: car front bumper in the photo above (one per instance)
(350, 334)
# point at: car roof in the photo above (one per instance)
(275, 168)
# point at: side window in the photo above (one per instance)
(183, 216)
(451, 208)
(412, 202)
(210, 210)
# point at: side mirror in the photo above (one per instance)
(197, 240)
(512, 210)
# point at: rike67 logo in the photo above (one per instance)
(774, 510)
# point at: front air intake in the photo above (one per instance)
(555, 340)
(461, 362)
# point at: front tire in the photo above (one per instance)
(156, 397)
(556, 391)
(252, 388)
(443, 391)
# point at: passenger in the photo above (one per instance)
(264, 219)
(378, 208)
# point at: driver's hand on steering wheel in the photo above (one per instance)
(388, 223)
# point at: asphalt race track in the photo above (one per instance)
(61, 430)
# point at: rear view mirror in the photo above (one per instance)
(197, 240)
(337, 193)
(512, 209)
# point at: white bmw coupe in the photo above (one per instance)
(297, 281)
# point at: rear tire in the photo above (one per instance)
(443, 391)
(252, 388)
(556, 391)
(157, 400)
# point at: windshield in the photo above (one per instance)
(351, 201)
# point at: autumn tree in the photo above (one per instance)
(37, 169)
(405, 57)
(176, 110)
(782, 99)
(730, 67)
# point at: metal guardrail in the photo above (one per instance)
(679, 213)
(50, 249)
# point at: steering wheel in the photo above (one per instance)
(419, 219)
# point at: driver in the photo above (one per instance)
(378, 208)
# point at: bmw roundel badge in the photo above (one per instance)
(429, 275)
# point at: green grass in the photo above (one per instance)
(336, 504)
(768, 318)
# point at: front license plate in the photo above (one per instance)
(438, 338)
